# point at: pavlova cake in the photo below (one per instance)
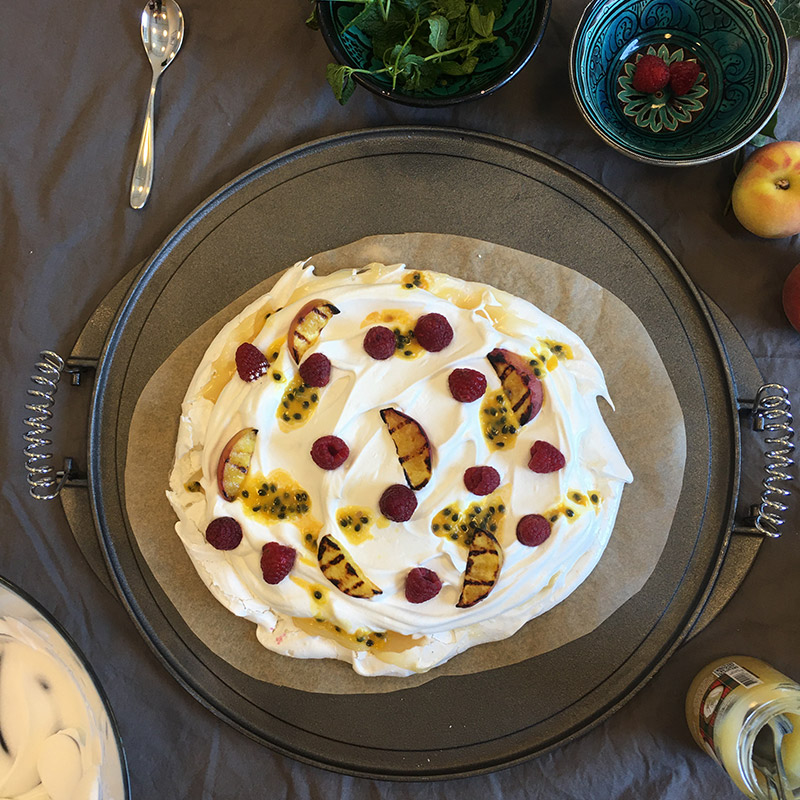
(388, 466)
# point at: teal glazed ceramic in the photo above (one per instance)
(519, 30)
(739, 46)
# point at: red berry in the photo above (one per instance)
(422, 584)
(250, 362)
(532, 530)
(650, 75)
(682, 76)
(329, 452)
(546, 458)
(433, 332)
(481, 480)
(466, 385)
(398, 503)
(316, 370)
(277, 561)
(224, 533)
(380, 342)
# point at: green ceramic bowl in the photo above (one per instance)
(743, 57)
(519, 30)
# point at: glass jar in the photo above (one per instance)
(728, 703)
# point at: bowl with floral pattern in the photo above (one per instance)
(739, 47)
(518, 29)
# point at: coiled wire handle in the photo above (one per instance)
(772, 413)
(44, 482)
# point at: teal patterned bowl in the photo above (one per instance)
(519, 30)
(743, 57)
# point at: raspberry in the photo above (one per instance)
(398, 503)
(532, 530)
(277, 561)
(481, 480)
(379, 342)
(433, 332)
(224, 533)
(546, 458)
(422, 584)
(651, 74)
(329, 452)
(683, 75)
(250, 362)
(316, 370)
(466, 385)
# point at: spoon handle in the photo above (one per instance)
(143, 171)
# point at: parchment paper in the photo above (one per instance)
(640, 389)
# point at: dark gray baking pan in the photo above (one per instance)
(394, 180)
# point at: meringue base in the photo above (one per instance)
(629, 558)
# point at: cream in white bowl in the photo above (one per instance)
(403, 637)
(56, 737)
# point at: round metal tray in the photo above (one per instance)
(337, 190)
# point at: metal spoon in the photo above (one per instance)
(162, 36)
(768, 757)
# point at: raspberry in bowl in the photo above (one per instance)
(660, 92)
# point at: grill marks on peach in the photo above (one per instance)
(516, 390)
(339, 568)
(307, 324)
(482, 571)
(412, 446)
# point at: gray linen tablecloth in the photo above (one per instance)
(247, 85)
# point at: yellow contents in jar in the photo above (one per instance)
(355, 523)
(486, 514)
(500, 426)
(277, 498)
(729, 702)
(401, 324)
(298, 403)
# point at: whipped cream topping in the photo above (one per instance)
(531, 580)
(51, 744)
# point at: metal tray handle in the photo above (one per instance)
(771, 413)
(44, 482)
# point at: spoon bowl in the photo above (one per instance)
(162, 30)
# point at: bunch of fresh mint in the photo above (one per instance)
(417, 41)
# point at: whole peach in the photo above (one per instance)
(791, 297)
(766, 195)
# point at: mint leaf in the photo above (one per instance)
(789, 12)
(313, 19)
(456, 68)
(482, 24)
(438, 35)
(452, 9)
(341, 81)
(495, 6)
(420, 74)
(371, 16)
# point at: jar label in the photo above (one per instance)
(714, 703)
(739, 674)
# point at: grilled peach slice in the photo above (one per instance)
(412, 445)
(483, 569)
(342, 571)
(305, 328)
(234, 462)
(522, 388)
